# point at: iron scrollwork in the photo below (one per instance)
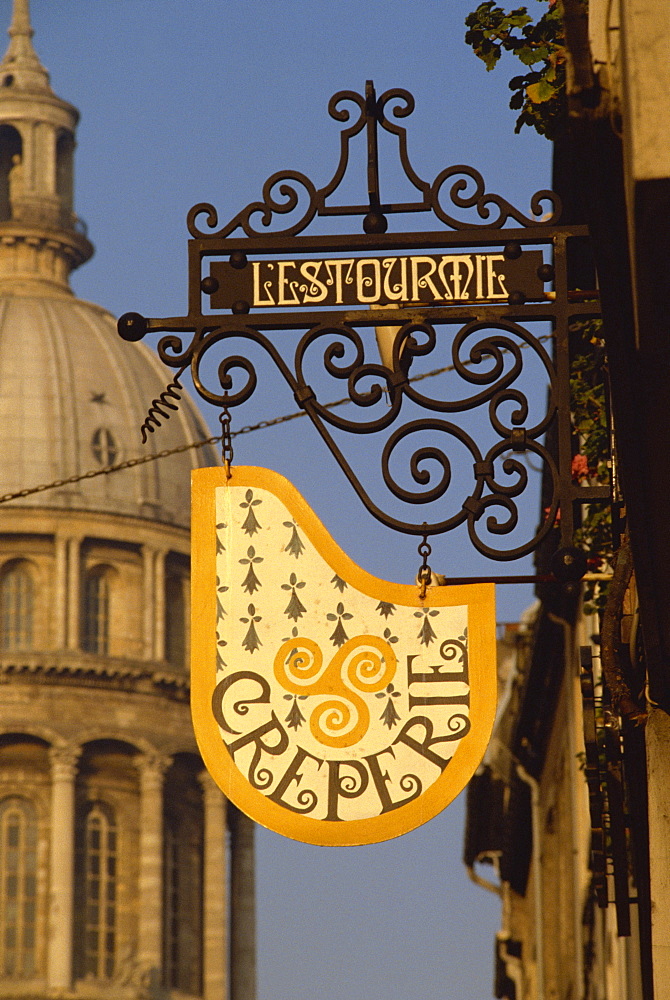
(490, 351)
(465, 185)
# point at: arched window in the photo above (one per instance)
(100, 850)
(64, 170)
(95, 638)
(16, 607)
(175, 621)
(18, 887)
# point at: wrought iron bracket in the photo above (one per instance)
(469, 293)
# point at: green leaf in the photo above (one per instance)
(489, 53)
(518, 18)
(541, 54)
(540, 92)
(537, 44)
(527, 55)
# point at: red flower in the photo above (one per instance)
(580, 468)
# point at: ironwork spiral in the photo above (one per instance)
(290, 191)
(490, 348)
(491, 366)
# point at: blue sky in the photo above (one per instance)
(200, 100)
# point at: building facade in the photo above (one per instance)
(572, 806)
(123, 871)
(544, 821)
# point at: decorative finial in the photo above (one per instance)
(21, 19)
(21, 64)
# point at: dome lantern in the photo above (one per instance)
(41, 239)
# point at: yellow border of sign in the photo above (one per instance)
(479, 597)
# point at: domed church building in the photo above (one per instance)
(116, 878)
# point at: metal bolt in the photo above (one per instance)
(512, 251)
(132, 326)
(569, 564)
(375, 222)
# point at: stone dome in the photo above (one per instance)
(123, 871)
(73, 397)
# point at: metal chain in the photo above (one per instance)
(119, 467)
(226, 440)
(425, 573)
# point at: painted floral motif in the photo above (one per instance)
(251, 642)
(295, 546)
(339, 636)
(220, 547)
(389, 716)
(295, 718)
(251, 583)
(385, 609)
(339, 583)
(426, 633)
(295, 608)
(251, 524)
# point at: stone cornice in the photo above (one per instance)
(84, 669)
(38, 259)
(15, 103)
(47, 521)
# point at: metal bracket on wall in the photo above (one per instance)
(471, 293)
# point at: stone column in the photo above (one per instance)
(61, 867)
(60, 596)
(153, 568)
(242, 908)
(215, 901)
(148, 599)
(159, 605)
(150, 937)
(45, 148)
(73, 592)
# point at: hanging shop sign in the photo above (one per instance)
(351, 281)
(329, 705)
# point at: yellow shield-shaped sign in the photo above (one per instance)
(329, 705)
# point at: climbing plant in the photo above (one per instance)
(539, 94)
(539, 45)
(591, 461)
